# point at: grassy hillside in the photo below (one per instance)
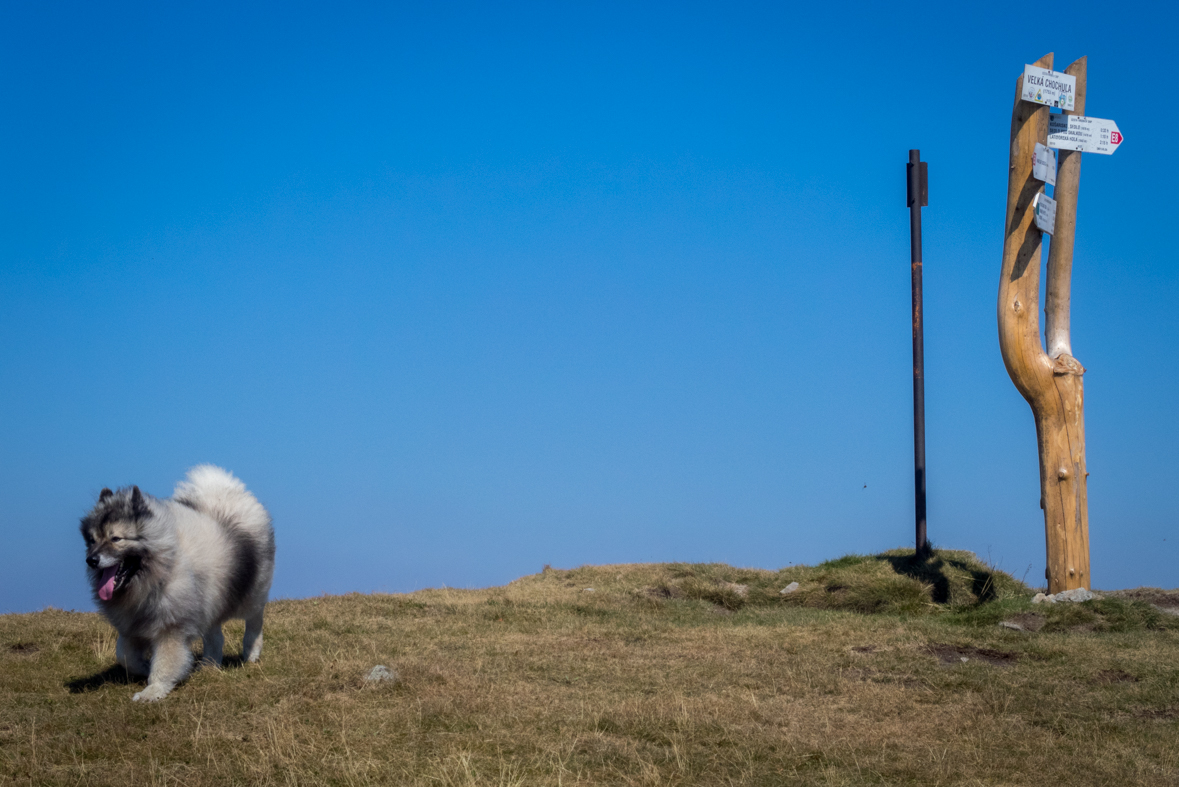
(877, 670)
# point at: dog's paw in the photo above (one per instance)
(151, 694)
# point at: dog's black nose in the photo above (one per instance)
(92, 561)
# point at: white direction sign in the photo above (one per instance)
(1045, 208)
(1077, 132)
(1045, 86)
(1044, 166)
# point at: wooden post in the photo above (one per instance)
(1049, 380)
(1060, 249)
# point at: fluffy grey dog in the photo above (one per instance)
(165, 572)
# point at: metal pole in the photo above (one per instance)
(918, 196)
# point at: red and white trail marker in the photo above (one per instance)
(1089, 135)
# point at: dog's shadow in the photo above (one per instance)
(117, 675)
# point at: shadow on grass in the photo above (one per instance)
(117, 675)
(230, 662)
(114, 675)
(931, 570)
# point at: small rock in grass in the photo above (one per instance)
(1011, 624)
(793, 586)
(381, 674)
(588, 590)
(740, 590)
(1076, 594)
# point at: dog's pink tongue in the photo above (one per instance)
(107, 588)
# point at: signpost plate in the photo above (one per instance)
(1077, 132)
(1045, 86)
(1045, 208)
(1044, 167)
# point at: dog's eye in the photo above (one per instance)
(115, 538)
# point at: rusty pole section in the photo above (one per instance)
(918, 197)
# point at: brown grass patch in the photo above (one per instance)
(539, 682)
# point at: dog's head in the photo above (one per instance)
(115, 543)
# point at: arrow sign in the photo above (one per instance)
(1045, 86)
(1090, 135)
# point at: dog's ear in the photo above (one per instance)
(139, 508)
(104, 494)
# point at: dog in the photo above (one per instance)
(165, 572)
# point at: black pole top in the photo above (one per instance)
(918, 181)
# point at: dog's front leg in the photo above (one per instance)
(170, 662)
(130, 653)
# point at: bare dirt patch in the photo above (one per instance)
(1026, 621)
(1161, 714)
(1114, 676)
(959, 654)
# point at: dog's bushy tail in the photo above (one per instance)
(218, 493)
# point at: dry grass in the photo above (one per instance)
(662, 674)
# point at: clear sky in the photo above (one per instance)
(459, 290)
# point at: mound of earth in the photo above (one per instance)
(1163, 600)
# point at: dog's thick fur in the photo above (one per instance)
(165, 572)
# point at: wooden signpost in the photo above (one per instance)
(1050, 379)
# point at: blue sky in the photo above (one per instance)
(460, 289)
